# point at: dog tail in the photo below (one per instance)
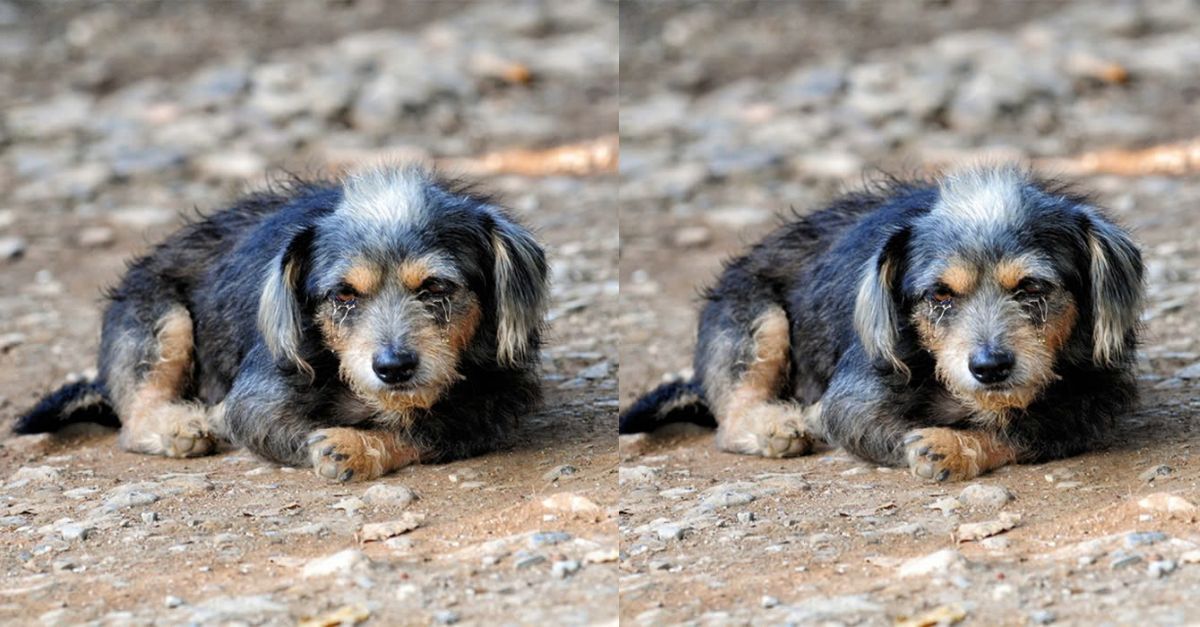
(85, 401)
(679, 401)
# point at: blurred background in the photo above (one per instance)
(117, 118)
(733, 113)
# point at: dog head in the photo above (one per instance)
(1005, 282)
(406, 280)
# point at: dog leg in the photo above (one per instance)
(941, 454)
(346, 453)
(752, 419)
(154, 418)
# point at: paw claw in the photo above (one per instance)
(346, 476)
(943, 475)
(912, 437)
(315, 438)
(338, 457)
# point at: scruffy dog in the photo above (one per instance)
(952, 327)
(354, 326)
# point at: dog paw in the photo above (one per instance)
(189, 443)
(344, 454)
(767, 432)
(941, 454)
(171, 431)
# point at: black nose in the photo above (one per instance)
(392, 366)
(991, 365)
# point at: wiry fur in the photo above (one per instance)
(264, 324)
(888, 361)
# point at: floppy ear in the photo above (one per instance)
(521, 289)
(1116, 278)
(279, 315)
(875, 316)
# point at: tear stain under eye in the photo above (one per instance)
(941, 309)
(341, 308)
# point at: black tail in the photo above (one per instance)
(86, 401)
(681, 401)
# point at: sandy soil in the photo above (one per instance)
(725, 126)
(179, 112)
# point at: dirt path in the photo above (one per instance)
(727, 122)
(120, 117)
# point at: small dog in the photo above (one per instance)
(354, 327)
(952, 327)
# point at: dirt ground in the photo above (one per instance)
(120, 117)
(732, 114)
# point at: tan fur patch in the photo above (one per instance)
(960, 277)
(1009, 272)
(462, 329)
(363, 277)
(348, 454)
(1059, 328)
(951, 454)
(752, 419)
(155, 420)
(414, 272)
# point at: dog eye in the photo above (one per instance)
(345, 294)
(435, 288)
(941, 294)
(1032, 288)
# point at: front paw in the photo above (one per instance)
(344, 454)
(941, 454)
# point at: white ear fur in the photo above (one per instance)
(520, 276)
(875, 317)
(1116, 278)
(279, 316)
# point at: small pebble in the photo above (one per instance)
(446, 617)
(1156, 472)
(560, 472)
(548, 538)
(1042, 617)
(564, 568)
(11, 247)
(172, 601)
(1160, 568)
(1122, 559)
(1142, 538)
(525, 559)
(745, 517)
(768, 602)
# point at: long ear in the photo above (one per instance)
(521, 290)
(1116, 277)
(279, 315)
(875, 316)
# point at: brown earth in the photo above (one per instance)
(226, 539)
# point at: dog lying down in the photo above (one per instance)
(950, 326)
(354, 326)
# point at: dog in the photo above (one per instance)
(952, 326)
(354, 326)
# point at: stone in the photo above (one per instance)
(1144, 538)
(692, 237)
(548, 538)
(1190, 372)
(985, 496)
(231, 164)
(595, 371)
(937, 563)
(1156, 472)
(1169, 504)
(389, 495)
(95, 237)
(446, 617)
(570, 502)
(11, 247)
(340, 563)
(391, 528)
(560, 472)
(36, 474)
(1160, 568)
(73, 532)
(59, 115)
(564, 568)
